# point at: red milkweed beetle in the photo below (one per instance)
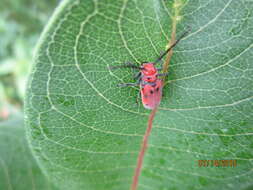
(150, 85)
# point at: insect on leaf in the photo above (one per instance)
(87, 131)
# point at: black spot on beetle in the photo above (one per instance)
(151, 91)
(157, 89)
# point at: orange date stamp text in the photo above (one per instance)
(217, 163)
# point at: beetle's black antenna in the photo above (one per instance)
(173, 45)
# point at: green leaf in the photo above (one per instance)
(86, 132)
(18, 169)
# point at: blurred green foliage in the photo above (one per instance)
(21, 22)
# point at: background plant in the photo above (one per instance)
(86, 133)
(21, 22)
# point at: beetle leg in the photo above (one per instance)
(162, 74)
(130, 65)
(137, 76)
(125, 65)
(137, 98)
(128, 84)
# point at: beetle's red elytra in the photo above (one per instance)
(151, 86)
(148, 79)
